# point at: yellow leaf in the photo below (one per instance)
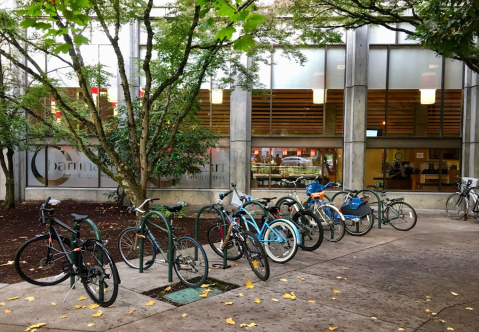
(205, 286)
(428, 296)
(64, 316)
(150, 303)
(7, 311)
(35, 326)
(289, 296)
(256, 300)
(184, 315)
(248, 325)
(235, 264)
(301, 278)
(8, 263)
(93, 306)
(467, 308)
(12, 298)
(230, 321)
(283, 280)
(450, 329)
(2, 304)
(169, 288)
(275, 300)
(203, 295)
(91, 324)
(53, 303)
(311, 301)
(339, 277)
(82, 298)
(79, 306)
(111, 306)
(332, 328)
(442, 321)
(374, 318)
(433, 313)
(333, 298)
(336, 291)
(130, 312)
(228, 303)
(455, 294)
(240, 294)
(249, 284)
(345, 268)
(255, 263)
(30, 298)
(427, 310)
(98, 314)
(400, 329)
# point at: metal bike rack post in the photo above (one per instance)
(170, 241)
(225, 229)
(380, 206)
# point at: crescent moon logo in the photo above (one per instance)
(41, 178)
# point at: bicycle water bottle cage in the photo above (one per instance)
(319, 196)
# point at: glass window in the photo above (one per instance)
(381, 35)
(377, 68)
(335, 68)
(403, 37)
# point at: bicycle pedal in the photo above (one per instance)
(67, 267)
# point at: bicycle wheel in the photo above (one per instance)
(359, 226)
(191, 266)
(456, 206)
(401, 216)
(284, 210)
(98, 273)
(215, 239)
(332, 221)
(41, 262)
(280, 241)
(129, 248)
(310, 230)
(256, 255)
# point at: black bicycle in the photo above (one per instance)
(51, 258)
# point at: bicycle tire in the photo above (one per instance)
(129, 248)
(256, 256)
(284, 209)
(456, 207)
(215, 239)
(359, 226)
(334, 228)
(191, 270)
(403, 216)
(37, 259)
(280, 242)
(99, 274)
(310, 230)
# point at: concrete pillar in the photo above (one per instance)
(470, 131)
(240, 137)
(355, 111)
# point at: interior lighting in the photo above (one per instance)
(217, 96)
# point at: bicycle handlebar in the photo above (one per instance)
(132, 207)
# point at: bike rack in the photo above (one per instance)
(170, 241)
(225, 229)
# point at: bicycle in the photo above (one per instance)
(333, 229)
(358, 216)
(238, 243)
(465, 201)
(395, 212)
(189, 259)
(51, 258)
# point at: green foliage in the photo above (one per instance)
(167, 214)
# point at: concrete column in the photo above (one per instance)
(470, 131)
(355, 111)
(240, 137)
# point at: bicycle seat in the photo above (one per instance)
(78, 217)
(239, 213)
(173, 208)
(318, 195)
(266, 200)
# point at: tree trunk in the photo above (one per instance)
(7, 167)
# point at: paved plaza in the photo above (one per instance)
(423, 280)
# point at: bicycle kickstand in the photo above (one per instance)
(73, 286)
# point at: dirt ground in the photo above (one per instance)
(20, 224)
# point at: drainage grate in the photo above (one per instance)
(189, 295)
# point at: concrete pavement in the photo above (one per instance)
(422, 280)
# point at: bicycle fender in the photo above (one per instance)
(289, 222)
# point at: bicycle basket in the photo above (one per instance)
(314, 188)
(235, 200)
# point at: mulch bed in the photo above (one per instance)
(20, 224)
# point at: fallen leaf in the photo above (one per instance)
(333, 298)
(230, 321)
(35, 326)
(228, 303)
(374, 318)
(30, 298)
(93, 306)
(336, 291)
(427, 310)
(256, 300)
(130, 312)
(184, 315)
(8, 263)
(12, 298)
(426, 300)
(433, 313)
(150, 303)
(450, 329)
(467, 308)
(400, 329)
(301, 278)
(240, 294)
(339, 277)
(275, 300)
(205, 285)
(248, 325)
(235, 264)
(169, 288)
(345, 268)
(82, 298)
(333, 328)
(249, 284)
(442, 321)
(455, 294)
(98, 314)
(255, 263)
(283, 280)
(203, 295)
(289, 296)
(311, 301)
(91, 324)
(64, 316)
(111, 306)
(53, 303)
(79, 306)
(2, 304)
(7, 311)
(428, 296)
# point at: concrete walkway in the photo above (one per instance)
(424, 280)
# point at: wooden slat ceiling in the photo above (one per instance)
(220, 119)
